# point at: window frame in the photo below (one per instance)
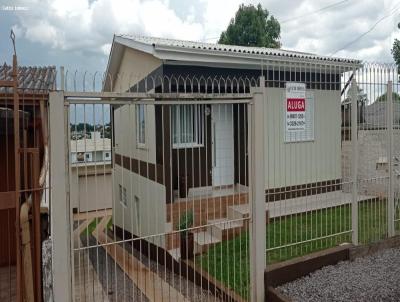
(138, 108)
(123, 198)
(196, 123)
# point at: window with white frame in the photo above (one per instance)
(137, 212)
(88, 156)
(123, 199)
(187, 126)
(141, 125)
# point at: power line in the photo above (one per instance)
(368, 31)
(314, 12)
(301, 16)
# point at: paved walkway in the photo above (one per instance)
(87, 284)
(149, 283)
(304, 204)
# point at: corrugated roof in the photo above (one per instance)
(30, 78)
(234, 49)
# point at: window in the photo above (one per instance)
(187, 125)
(88, 157)
(80, 157)
(107, 156)
(123, 199)
(137, 212)
(141, 125)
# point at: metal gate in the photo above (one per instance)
(147, 221)
(134, 178)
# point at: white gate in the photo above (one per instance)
(172, 231)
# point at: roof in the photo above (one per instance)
(259, 52)
(179, 52)
(30, 78)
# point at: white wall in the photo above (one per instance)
(125, 133)
(372, 147)
(135, 65)
(152, 206)
(302, 162)
(90, 192)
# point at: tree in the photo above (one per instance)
(396, 52)
(383, 97)
(252, 26)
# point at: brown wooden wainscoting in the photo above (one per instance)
(148, 170)
(282, 193)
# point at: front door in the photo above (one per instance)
(222, 143)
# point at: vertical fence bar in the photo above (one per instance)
(257, 195)
(60, 210)
(390, 208)
(354, 160)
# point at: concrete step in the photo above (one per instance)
(202, 241)
(238, 211)
(175, 253)
(224, 229)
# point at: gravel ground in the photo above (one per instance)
(112, 278)
(372, 278)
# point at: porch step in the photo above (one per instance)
(203, 240)
(175, 253)
(238, 211)
(224, 229)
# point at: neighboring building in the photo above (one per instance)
(376, 115)
(91, 183)
(138, 142)
(20, 250)
(93, 149)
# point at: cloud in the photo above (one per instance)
(75, 29)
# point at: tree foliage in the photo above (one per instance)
(396, 52)
(383, 97)
(252, 26)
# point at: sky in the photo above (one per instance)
(78, 34)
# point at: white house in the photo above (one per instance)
(91, 181)
(192, 146)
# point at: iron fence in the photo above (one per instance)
(171, 177)
(24, 185)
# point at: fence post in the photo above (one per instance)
(257, 194)
(390, 208)
(59, 208)
(354, 160)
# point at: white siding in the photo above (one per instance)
(152, 206)
(125, 133)
(302, 162)
(90, 192)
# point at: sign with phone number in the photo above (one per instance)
(295, 107)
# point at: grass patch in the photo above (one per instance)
(110, 224)
(228, 261)
(91, 227)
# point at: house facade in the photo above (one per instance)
(91, 179)
(158, 149)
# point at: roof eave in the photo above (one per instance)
(209, 56)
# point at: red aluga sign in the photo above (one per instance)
(296, 105)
